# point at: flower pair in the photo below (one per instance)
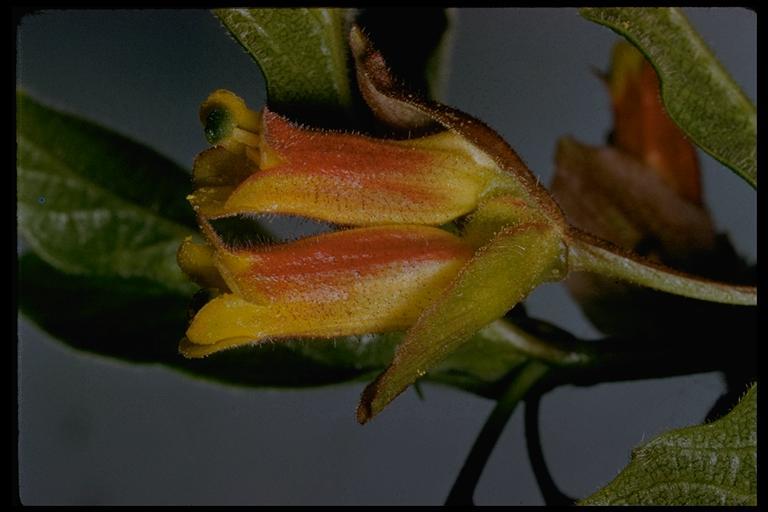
(400, 263)
(392, 268)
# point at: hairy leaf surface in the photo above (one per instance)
(302, 53)
(712, 464)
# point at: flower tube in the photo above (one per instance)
(280, 167)
(364, 280)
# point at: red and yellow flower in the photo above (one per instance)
(399, 262)
(392, 268)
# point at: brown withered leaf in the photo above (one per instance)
(610, 194)
(399, 108)
(370, 65)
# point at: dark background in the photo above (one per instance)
(97, 431)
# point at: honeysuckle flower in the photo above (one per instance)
(399, 268)
(372, 279)
(338, 177)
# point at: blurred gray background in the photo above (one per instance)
(97, 431)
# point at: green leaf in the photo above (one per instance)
(437, 67)
(712, 464)
(128, 318)
(302, 53)
(93, 202)
(699, 95)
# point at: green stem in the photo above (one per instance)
(537, 345)
(464, 487)
(590, 254)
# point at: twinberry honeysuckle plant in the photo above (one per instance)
(392, 266)
(441, 231)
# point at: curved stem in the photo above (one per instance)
(464, 487)
(590, 254)
(549, 490)
(555, 346)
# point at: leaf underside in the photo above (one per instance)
(302, 53)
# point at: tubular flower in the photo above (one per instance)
(398, 268)
(331, 176)
(354, 281)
